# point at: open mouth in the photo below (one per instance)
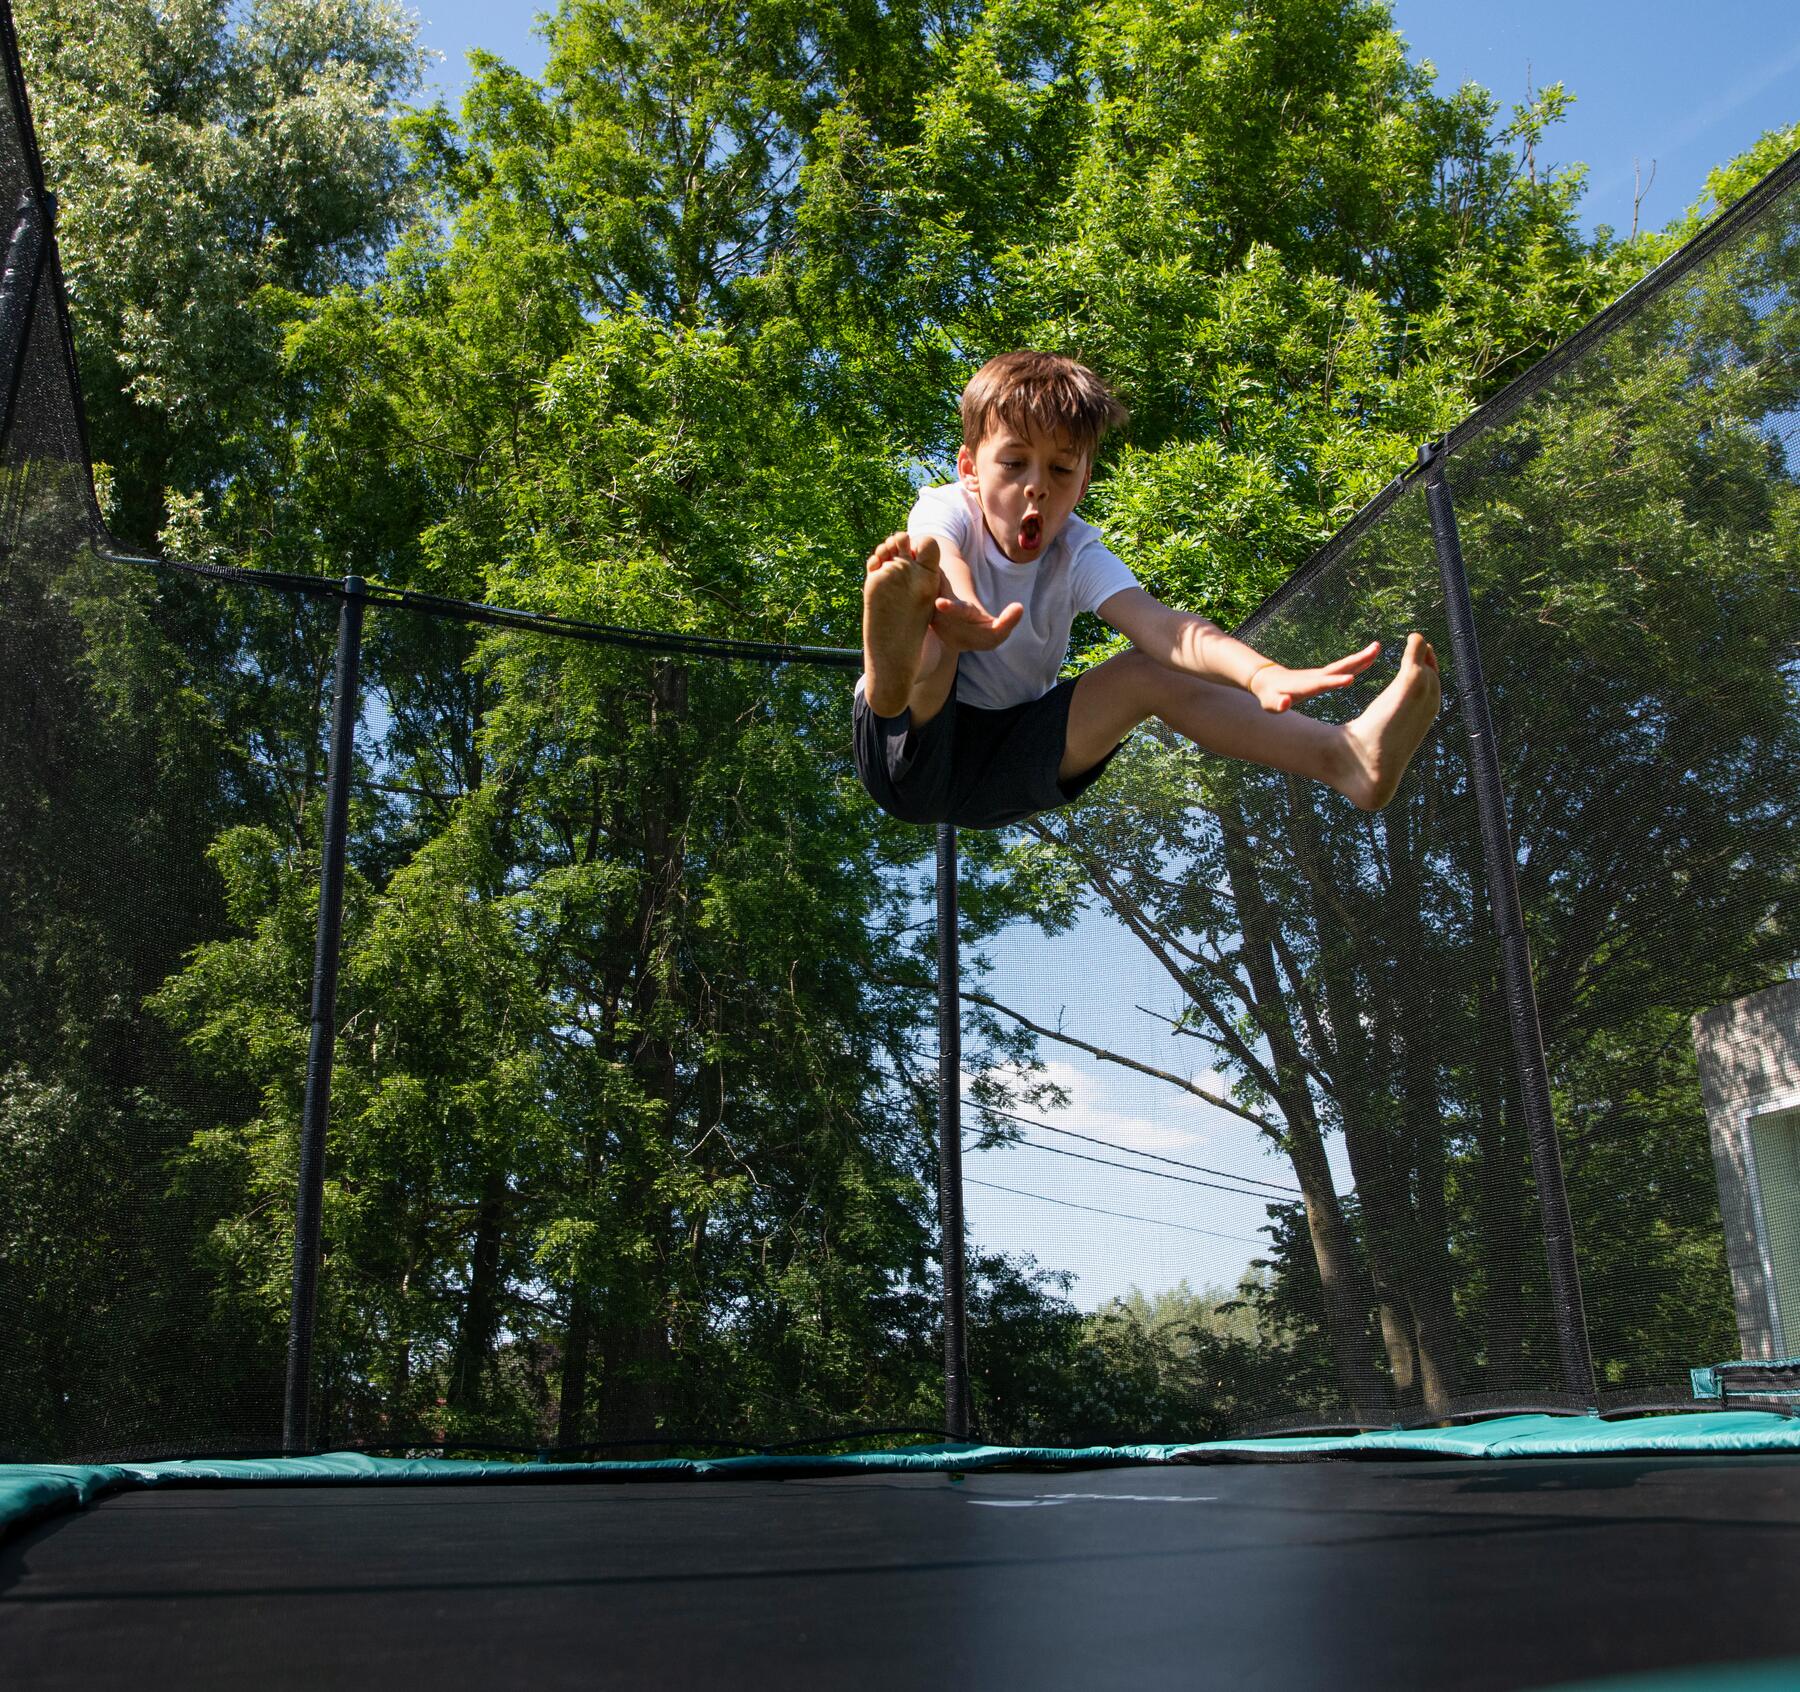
(1031, 533)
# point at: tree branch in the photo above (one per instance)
(1106, 1056)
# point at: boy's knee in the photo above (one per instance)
(1140, 674)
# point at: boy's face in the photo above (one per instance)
(1027, 485)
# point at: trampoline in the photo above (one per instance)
(1382, 1573)
(836, 1310)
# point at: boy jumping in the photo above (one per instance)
(959, 715)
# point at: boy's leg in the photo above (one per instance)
(1364, 759)
(905, 666)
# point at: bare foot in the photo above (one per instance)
(1382, 741)
(900, 594)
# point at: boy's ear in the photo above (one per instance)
(965, 463)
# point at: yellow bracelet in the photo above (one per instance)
(1267, 664)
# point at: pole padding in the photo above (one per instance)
(309, 1200)
(957, 1419)
(1501, 859)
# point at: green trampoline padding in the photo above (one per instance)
(29, 1491)
(1779, 1676)
(1712, 1433)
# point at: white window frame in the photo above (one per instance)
(1769, 1104)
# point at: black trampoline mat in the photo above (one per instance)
(1329, 1575)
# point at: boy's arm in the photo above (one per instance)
(1201, 648)
(961, 621)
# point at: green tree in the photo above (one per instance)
(204, 154)
(728, 1165)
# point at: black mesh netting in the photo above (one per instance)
(134, 723)
(1277, 1020)
(631, 1110)
(1632, 534)
(1630, 521)
(631, 1134)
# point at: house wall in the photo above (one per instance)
(1749, 1052)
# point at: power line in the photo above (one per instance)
(1154, 1174)
(1123, 1215)
(1113, 1145)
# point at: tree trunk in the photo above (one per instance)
(571, 1404)
(1363, 1107)
(1346, 1294)
(634, 1333)
(634, 1362)
(1428, 1286)
(480, 1323)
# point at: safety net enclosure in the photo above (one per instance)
(621, 1002)
(1313, 1046)
(1319, 1033)
(627, 1008)
(434, 1026)
(1633, 538)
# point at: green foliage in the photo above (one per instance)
(204, 154)
(1624, 531)
(140, 743)
(1170, 1366)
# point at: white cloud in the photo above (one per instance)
(1189, 1124)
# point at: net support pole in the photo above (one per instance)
(950, 1182)
(20, 278)
(1509, 926)
(309, 1201)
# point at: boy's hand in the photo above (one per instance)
(964, 626)
(1276, 687)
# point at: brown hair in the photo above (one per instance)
(1030, 391)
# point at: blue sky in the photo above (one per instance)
(1676, 84)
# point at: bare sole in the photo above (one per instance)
(1385, 737)
(899, 599)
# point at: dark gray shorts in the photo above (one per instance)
(970, 766)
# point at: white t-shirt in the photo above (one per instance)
(1077, 573)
